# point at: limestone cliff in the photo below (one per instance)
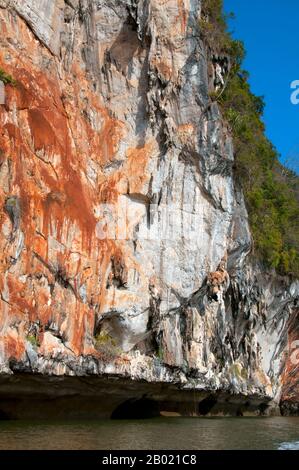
(124, 239)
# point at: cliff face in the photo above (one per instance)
(290, 391)
(124, 236)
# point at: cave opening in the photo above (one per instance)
(206, 405)
(136, 408)
(4, 416)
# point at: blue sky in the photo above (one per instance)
(270, 31)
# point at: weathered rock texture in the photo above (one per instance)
(290, 390)
(112, 108)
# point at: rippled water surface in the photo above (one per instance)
(159, 433)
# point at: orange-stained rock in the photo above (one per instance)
(290, 378)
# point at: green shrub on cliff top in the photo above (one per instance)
(271, 190)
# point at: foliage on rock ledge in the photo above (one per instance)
(106, 346)
(6, 78)
(271, 190)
